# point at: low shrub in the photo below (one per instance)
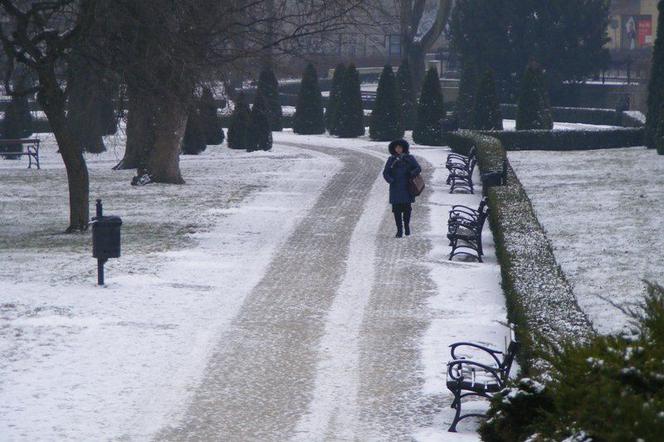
(569, 139)
(584, 115)
(610, 388)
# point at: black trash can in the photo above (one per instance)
(106, 237)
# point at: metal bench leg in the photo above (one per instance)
(457, 414)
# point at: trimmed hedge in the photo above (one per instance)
(584, 115)
(569, 139)
(539, 298)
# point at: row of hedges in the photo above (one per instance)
(539, 298)
(585, 115)
(564, 140)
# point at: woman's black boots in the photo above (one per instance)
(397, 220)
(406, 223)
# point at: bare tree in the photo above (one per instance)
(39, 35)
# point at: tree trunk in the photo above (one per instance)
(52, 100)
(140, 131)
(416, 59)
(170, 120)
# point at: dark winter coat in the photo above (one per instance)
(398, 171)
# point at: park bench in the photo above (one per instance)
(464, 230)
(16, 149)
(456, 161)
(461, 175)
(475, 376)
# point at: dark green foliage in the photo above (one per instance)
(610, 388)
(565, 140)
(194, 140)
(467, 89)
(407, 95)
(385, 122)
(430, 111)
(239, 127)
(656, 86)
(18, 120)
(487, 108)
(214, 134)
(333, 99)
(534, 110)
(260, 135)
(659, 135)
(268, 87)
(308, 118)
(566, 36)
(350, 113)
(515, 410)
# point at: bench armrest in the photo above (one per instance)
(454, 368)
(493, 353)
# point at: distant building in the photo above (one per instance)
(632, 25)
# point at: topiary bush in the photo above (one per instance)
(194, 140)
(309, 118)
(486, 111)
(430, 111)
(268, 87)
(239, 126)
(214, 133)
(467, 89)
(333, 99)
(385, 123)
(350, 113)
(534, 111)
(260, 133)
(407, 95)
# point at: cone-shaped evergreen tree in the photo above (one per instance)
(214, 133)
(385, 123)
(487, 108)
(260, 131)
(18, 120)
(194, 140)
(333, 99)
(239, 127)
(656, 86)
(534, 110)
(309, 118)
(407, 95)
(268, 86)
(430, 111)
(350, 113)
(467, 89)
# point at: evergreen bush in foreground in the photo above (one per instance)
(239, 127)
(309, 118)
(534, 110)
(268, 87)
(407, 95)
(385, 123)
(350, 112)
(465, 103)
(260, 133)
(333, 99)
(430, 112)
(487, 108)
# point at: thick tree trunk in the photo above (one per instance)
(52, 100)
(140, 131)
(170, 120)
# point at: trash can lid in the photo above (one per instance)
(112, 219)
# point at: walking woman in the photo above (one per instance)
(400, 167)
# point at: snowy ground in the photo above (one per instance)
(272, 277)
(602, 210)
(511, 125)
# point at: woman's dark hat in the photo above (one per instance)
(403, 143)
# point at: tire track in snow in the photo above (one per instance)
(260, 378)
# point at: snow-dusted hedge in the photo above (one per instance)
(584, 139)
(539, 298)
(585, 115)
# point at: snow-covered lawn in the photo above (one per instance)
(603, 212)
(511, 125)
(79, 362)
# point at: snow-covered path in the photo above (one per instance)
(293, 314)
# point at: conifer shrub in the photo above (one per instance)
(610, 388)
(194, 140)
(534, 108)
(268, 87)
(385, 123)
(239, 127)
(17, 122)
(465, 103)
(350, 112)
(407, 95)
(486, 111)
(309, 118)
(333, 99)
(430, 111)
(214, 133)
(260, 133)
(656, 85)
